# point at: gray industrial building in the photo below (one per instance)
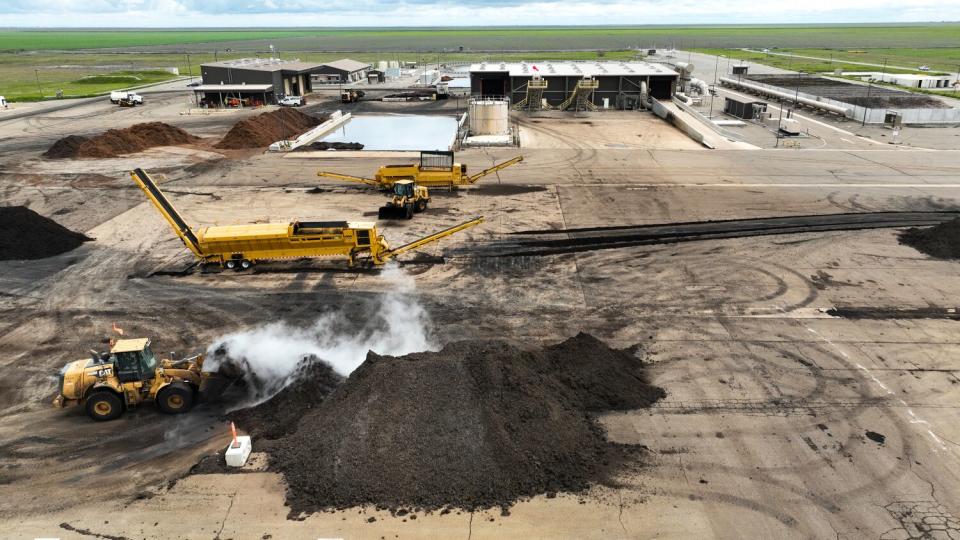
(343, 71)
(619, 83)
(259, 79)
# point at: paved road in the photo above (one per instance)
(47, 107)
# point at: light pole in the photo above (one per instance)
(779, 120)
(36, 73)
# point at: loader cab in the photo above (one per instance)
(403, 188)
(133, 360)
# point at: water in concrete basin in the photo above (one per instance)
(397, 132)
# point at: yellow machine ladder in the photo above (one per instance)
(582, 95)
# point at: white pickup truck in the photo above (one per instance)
(118, 95)
(292, 101)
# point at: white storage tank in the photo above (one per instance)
(489, 117)
(382, 65)
(394, 63)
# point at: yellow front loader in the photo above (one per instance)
(435, 169)
(408, 198)
(130, 375)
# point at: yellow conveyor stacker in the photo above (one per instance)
(240, 246)
(436, 169)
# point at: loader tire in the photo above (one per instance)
(103, 406)
(408, 211)
(420, 206)
(175, 399)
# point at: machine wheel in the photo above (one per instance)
(245, 264)
(231, 264)
(408, 211)
(104, 405)
(175, 399)
(420, 206)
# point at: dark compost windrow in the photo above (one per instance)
(476, 425)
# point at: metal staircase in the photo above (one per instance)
(581, 97)
(533, 101)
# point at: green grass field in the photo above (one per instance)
(937, 59)
(38, 40)
(41, 61)
(89, 73)
(492, 39)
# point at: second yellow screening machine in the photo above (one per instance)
(240, 246)
(435, 169)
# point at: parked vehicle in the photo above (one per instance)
(924, 68)
(194, 83)
(292, 101)
(3, 102)
(118, 96)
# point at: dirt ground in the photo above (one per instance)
(617, 129)
(763, 432)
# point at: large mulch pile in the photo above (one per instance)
(267, 128)
(116, 142)
(25, 234)
(941, 241)
(477, 425)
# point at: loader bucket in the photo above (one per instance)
(395, 212)
(213, 385)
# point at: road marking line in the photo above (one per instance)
(914, 419)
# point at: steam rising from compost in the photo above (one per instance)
(269, 355)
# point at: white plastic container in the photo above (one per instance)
(237, 455)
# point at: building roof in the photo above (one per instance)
(264, 64)
(233, 88)
(129, 345)
(348, 65)
(573, 69)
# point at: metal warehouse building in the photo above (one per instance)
(262, 79)
(619, 83)
(342, 71)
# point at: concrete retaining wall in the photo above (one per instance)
(336, 119)
(683, 125)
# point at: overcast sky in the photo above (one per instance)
(379, 13)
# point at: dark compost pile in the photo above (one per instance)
(116, 142)
(476, 425)
(25, 234)
(323, 145)
(941, 241)
(265, 129)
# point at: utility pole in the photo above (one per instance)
(869, 87)
(36, 74)
(189, 69)
(779, 120)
